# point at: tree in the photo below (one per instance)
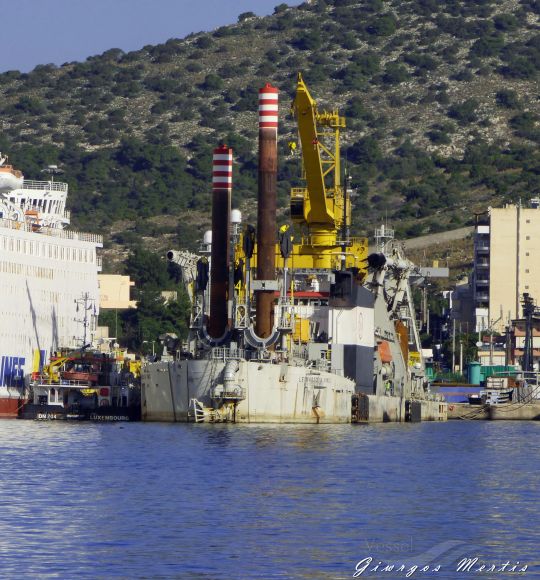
(246, 16)
(383, 25)
(465, 112)
(507, 98)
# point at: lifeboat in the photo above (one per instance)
(10, 178)
(32, 218)
(80, 376)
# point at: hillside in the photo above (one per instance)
(442, 101)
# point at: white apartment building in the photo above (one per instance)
(506, 264)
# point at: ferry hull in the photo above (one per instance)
(9, 407)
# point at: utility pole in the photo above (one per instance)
(528, 312)
(453, 345)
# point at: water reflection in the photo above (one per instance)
(261, 501)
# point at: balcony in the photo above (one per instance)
(481, 248)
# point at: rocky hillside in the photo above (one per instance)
(441, 97)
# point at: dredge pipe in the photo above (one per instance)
(267, 206)
(221, 219)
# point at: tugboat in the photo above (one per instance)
(85, 384)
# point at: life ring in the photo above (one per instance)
(450, 407)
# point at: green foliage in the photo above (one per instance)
(204, 42)
(30, 105)
(185, 96)
(487, 46)
(246, 16)
(395, 73)
(422, 62)
(464, 112)
(212, 82)
(505, 22)
(507, 98)
(383, 25)
(308, 40)
(280, 8)
(522, 58)
(526, 125)
(365, 151)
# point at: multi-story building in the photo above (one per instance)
(115, 292)
(506, 264)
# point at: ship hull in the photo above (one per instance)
(107, 414)
(9, 406)
(390, 409)
(273, 393)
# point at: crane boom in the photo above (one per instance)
(320, 205)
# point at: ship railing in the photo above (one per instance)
(226, 353)
(286, 315)
(299, 353)
(45, 185)
(71, 235)
(309, 241)
(234, 393)
(53, 232)
(45, 382)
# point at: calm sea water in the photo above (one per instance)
(225, 501)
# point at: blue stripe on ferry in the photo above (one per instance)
(11, 370)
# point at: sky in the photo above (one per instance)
(59, 31)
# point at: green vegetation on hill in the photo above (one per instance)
(441, 97)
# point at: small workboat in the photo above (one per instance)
(85, 385)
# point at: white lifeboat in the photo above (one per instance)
(10, 178)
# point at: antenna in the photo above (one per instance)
(52, 170)
(88, 321)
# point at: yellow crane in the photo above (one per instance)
(322, 207)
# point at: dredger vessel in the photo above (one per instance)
(307, 328)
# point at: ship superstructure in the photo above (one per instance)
(300, 328)
(44, 270)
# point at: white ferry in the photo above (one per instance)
(44, 270)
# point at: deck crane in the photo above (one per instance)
(322, 207)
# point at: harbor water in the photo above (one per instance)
(279, 501)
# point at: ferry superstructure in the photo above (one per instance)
(45, 268)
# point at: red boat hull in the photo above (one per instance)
(9, 408)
